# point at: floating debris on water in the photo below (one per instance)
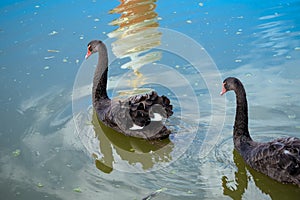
(96, 20)
(48, 57)
(248, 74)
(53, 50)
(40, 185)
(65, 60)
(16, 153)
(78, 189)
(292, 116)
(154, 194)
(288, 57)
(37, 153)
(238, 61)
(53, 33)
(46, 67)
(81, 37)
(297, 48)
(201, 4)
(189, 21)
(239, 32)
(36, 6)
(76, 61)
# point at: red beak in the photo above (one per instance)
(223, 90)
(88, 53)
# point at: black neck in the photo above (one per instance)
(241, 116)
(100, 76)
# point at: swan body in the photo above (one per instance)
(139, 116)
(278, 159)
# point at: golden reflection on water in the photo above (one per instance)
(136, 34)
(134, 80)
(133, 151)
(237, 188)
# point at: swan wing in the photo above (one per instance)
(149, 107)
(279, 159)
(140, 116)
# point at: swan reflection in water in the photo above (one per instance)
(245, 175)
(136, 152)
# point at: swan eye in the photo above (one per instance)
(90, 48)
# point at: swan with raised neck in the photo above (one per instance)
(278, 159)
(136, 116)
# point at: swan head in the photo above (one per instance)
(230, 83)
(92, 47)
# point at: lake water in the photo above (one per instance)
(53, 147)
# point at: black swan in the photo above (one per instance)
(278, 159)
(139, 116)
